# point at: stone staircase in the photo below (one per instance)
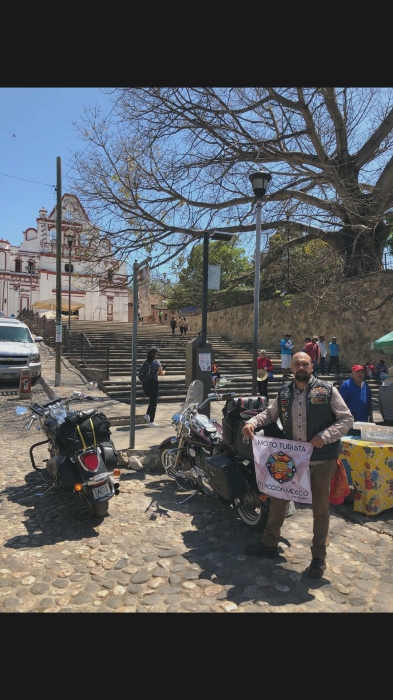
(107, 346)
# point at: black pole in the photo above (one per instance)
(205, 273)
(135, 268)
(58, 276)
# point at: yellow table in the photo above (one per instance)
(371, 467)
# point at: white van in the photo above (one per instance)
(18, 351)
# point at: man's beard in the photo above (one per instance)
(302, 376)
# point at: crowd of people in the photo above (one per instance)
(183, 325)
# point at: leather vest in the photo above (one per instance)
(319, 415)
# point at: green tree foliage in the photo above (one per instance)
(234, 264)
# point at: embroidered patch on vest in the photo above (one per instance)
(319, 391)
(320, 399)
(284, 402)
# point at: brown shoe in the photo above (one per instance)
(261, 550)
(316, 568)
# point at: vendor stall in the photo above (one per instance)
(371, 465)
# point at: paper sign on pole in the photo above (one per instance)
(205, 361)
(282, 468)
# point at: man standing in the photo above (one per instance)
(310, 410)
(286, 348)
(322, 349)
(334, 352)
(385, 399)
(357, 395)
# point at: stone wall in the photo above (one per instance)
(343, 313)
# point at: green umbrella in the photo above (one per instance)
(385, 344)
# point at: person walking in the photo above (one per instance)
(310, 410)
(264, 366)
(185, 325)
(150, 387)
(286, 348)
(385, 399)
(334, 355)
(323, 351)
(160, 316)
(173, 324)
(181, 325)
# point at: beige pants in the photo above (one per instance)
(321, 474)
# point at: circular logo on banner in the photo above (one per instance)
(281, 467)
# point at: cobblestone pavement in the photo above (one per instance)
(155, 554)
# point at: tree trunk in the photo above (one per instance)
(362, 254)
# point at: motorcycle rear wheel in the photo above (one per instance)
(97, 510)
(253, 512)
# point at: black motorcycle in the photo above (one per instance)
(82, 457)
(202, 457)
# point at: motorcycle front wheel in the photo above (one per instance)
(252, 511)
(168, 462)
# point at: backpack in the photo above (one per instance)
(144, 374)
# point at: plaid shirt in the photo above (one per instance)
(335, 431)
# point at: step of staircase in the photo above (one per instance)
(108, 345)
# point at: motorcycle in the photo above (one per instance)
(202, 457)
(82, 457)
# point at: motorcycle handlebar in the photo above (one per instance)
(217, 397)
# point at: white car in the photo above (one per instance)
(18, 351)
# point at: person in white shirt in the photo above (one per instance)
(322, 347)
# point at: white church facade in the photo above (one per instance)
(97, 286)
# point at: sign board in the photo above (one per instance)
(213, 276)
(25, 384)
(59, 333)
(205, 361)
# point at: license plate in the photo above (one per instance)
(9, 376)
(101, 491)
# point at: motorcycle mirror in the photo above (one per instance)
(21, 410)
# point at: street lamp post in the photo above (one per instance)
(70, 240)
(259, 181)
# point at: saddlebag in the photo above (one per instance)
(81, 431)
(226, 477)
(248, 405)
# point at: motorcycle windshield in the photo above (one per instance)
(194, 393)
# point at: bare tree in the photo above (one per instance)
(168, 164)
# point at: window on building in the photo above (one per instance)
(52, 235)
(18, 265)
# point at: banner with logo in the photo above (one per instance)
(282, 468)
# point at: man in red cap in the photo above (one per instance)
(357, 395)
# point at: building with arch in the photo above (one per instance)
(99, 282)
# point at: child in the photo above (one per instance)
(215, 374)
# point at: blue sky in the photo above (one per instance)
(41, 119)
